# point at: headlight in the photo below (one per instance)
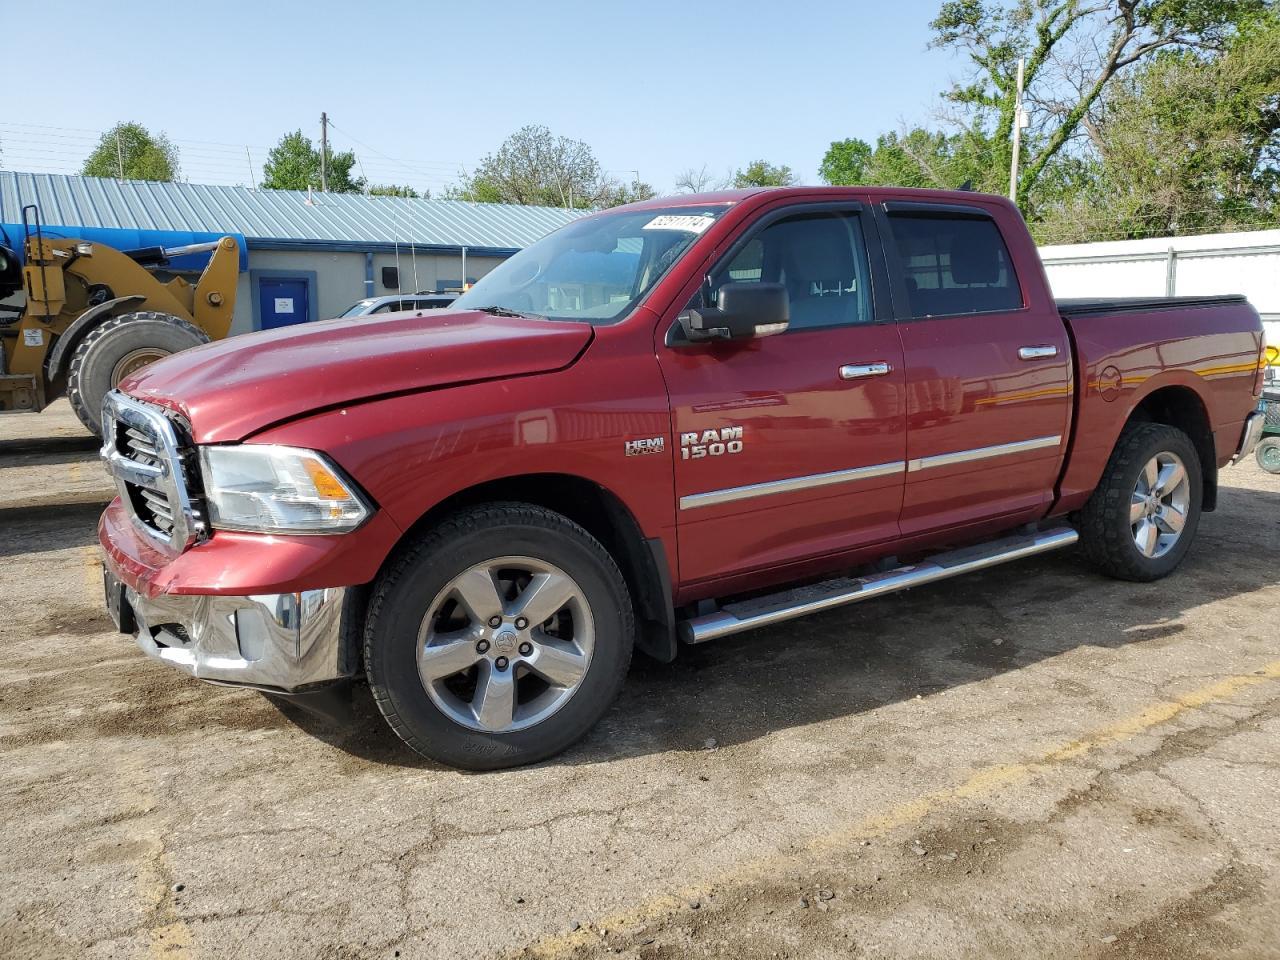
(270, 489)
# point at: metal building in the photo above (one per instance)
(1247, 263)
(310, 256)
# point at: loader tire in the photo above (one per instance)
(118, 347)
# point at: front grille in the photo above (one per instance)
(148, 459)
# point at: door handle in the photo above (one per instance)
(857, 371)
(1038, 352)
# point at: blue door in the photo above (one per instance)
(282, 301)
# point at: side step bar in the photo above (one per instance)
(776, 608)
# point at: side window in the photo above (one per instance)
(392, 306)
(821, 258)
(954, 265)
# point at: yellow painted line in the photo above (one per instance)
(93, 574)
(982, 783)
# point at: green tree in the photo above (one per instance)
(1073, 50)
(294, 164)
(1190, 143)
(131, 152)
(394, 190)
(761, 173)
(914, 158)
(534, 166)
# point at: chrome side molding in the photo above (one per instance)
(982, 453)
(765, 611)
(730, 494)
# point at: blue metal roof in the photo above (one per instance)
(275, 217)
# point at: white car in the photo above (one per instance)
(400, 302)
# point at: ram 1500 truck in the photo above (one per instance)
(664, 423)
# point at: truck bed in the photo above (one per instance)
(1085, 306)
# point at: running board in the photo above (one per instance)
(802, 601)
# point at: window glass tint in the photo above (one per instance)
(954, 265)
(819, 257)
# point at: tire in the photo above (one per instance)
(118, 347)
(1123, 510)
(1268, 454)
(432, 597)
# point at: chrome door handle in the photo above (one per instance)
(1038, 352)
(856, 371)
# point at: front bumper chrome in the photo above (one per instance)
(275, 642)
(1251, 434)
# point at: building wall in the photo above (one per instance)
(1247, 263)
(340, 277)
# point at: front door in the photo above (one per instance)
(283, 301)
(988, 373)
(791, 446)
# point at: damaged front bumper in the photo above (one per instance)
(279, 643)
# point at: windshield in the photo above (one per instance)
(595, 269)
(356, 309)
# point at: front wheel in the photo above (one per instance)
(1140, 521)
(499, 638)
(1268, 454)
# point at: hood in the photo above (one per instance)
(233, 388)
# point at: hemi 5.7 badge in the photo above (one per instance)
(639, 448)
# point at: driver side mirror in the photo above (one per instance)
(742, 311)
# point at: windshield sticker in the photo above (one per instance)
(685, 224)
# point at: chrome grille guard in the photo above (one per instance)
(160, 473)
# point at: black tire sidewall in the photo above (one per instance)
(392, 640)
(1161, 439)
(1263, 445)
(97, 355)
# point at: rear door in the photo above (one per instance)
(789, 447)
(988, 371)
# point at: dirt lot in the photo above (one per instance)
(1033, 762)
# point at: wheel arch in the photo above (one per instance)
(1181, 406)
(598, 510)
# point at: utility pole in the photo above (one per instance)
(324, 152)
(119, 157)
(1019, 121)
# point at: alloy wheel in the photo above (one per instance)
(505, 644)
(1159, 504)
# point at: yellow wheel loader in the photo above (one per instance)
(92, 315)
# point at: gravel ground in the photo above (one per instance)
(1031, 762)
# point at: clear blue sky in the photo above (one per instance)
(421, 89)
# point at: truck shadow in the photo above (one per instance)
(897, 648)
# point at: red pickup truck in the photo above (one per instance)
(662, 424)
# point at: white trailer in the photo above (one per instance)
(1247, 263)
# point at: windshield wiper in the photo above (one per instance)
(507, 312)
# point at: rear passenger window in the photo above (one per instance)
(819, 257)
(954, 265)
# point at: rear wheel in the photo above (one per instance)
(499, 638)
(118, 348)
(1268, 454)
(1140, 521)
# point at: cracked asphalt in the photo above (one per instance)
(1031, 762)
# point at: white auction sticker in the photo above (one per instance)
(33, 338)
(685, 224)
